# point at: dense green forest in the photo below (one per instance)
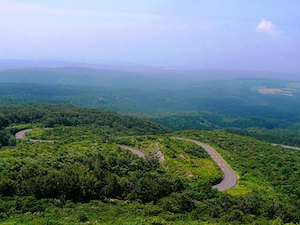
(266, 109)
(152, 95)
(210, 121)
(269, 130)
(279, 136)
(68, 115)
(6, 137)
(82, 178)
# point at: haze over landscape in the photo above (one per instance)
(235, 35)
(150, 112)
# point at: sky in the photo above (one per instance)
(212, 34)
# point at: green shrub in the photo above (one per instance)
(178, 203)
(3, 121)
(31, 204)
(82, 217)
(6, 138)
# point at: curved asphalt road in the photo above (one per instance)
(22, 135)
(140, 154)
(230, 178)
(134, 151)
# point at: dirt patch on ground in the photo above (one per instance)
(182, 157)
(274, 91)
(189, 175)
(159, 154)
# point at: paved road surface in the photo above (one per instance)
(134, 151)
(22, 135)
(230, 178)
(286, 146)
(137, 152)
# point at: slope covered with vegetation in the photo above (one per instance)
(80, 178)
(68, 115)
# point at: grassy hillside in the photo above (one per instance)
(82, 179)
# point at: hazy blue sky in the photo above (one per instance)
(216, 34)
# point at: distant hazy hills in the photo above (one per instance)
(187, 73)
(161, 93)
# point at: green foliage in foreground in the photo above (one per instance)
(76, 181)
(118, 212)
(82, 179)
(82, 172)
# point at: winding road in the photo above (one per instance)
(230, 178)
(286, 146)
(140, 154)
(22, 136)
(134, 151)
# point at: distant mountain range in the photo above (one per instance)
(187, 73)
